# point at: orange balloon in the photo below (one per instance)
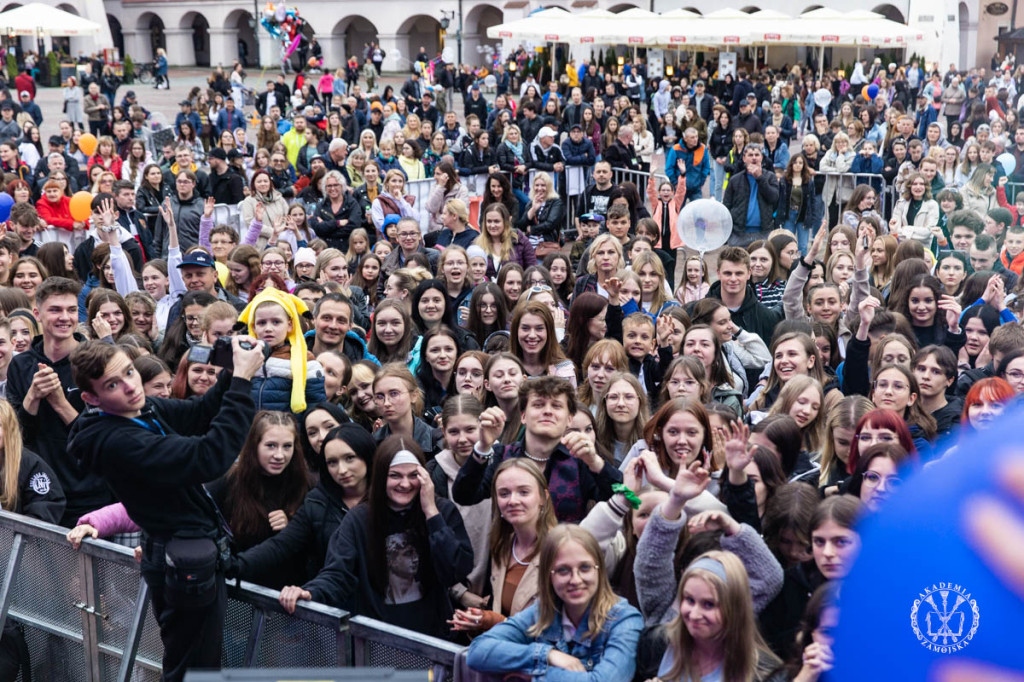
(87, 143)
(81, 205)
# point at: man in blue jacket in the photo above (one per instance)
(578, 150)
(229, 118)
(689, 158)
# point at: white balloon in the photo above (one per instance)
(490, 81)
(1008, 162)
(448, 54)
(704, 225)
(823, 98)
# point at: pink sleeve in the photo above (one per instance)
(110, 520)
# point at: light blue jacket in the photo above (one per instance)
(608, 657)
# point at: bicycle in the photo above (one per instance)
(144, 74)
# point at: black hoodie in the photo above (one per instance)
(46, 434)
(752, 315)
(157, 464)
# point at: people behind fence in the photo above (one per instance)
(474, 326)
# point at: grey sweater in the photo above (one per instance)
(656, 583)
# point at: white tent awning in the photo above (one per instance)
(38, 19)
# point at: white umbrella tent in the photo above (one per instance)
(40, 20)
(725, 28)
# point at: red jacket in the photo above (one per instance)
(114, 166)
(25, 82)
(56, 215)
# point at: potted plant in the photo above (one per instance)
(129, 70)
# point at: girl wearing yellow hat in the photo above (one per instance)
(291, 377)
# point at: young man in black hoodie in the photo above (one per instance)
(733, 289)
(41, 390)
(156, 455)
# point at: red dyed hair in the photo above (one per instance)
(991, 390)
(881, 419)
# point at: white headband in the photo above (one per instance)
(403, 457)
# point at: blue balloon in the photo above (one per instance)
(6, 201)
(872, 91)
(920, 595)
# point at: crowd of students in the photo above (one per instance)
(468, 424)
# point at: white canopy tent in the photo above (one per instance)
(40, 20)
(723, 28)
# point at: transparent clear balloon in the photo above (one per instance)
(823, 98)
(1008, 162)
(704, 225)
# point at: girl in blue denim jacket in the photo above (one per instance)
(578, 630)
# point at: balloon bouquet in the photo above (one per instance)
(284, 23)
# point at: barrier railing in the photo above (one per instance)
(85, 616)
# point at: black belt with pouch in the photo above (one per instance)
(191, 567)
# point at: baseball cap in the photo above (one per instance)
(56, 140)
(592, 218)
(545, 132)
(130, 94)
(184, 103)
(234, 154)
(218, 153)
(751, 97)
(200, 258)
(699, 83)
(305, 255)
(575, 126)
(24, 93)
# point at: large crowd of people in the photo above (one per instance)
(521, 413)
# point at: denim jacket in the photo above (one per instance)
(608, 657)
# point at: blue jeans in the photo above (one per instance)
(799, 229)
(717, 180)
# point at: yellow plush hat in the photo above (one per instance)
(294, 307)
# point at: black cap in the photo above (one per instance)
(56, 140)
(184, 103)
(6, 104)
(575, 126)
(234, 154)
(218, 153)
(130, 94)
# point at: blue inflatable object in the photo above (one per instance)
(919, 595)
(872, 91)
(6, 201)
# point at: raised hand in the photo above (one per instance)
(664, 330)
(866, 309)
(952, 309)
(101, 328)
(208, 207)
(492, 423)
(612, 285)
(582, 448)
(427, 500)
(738, 453)
(654, 473)
(819, 239)
(713, 520)
(259, 211)
(690, 482)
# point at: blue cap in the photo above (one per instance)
(592, 218)
(391, 220)
(200, 258)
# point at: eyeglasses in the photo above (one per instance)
(565, 572)
(192, 319)
(408, 235)
(874, 479)
(393, 396)
(274, 263)
(333, 185)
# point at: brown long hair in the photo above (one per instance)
(246, 481)
(552, 353)
(652, 432)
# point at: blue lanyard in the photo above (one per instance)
(152, 427)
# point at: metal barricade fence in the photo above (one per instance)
(86, 616)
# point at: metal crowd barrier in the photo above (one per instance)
(847, 181)
(85, 616)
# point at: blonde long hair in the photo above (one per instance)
(742, 643)
(484, 240)
(813, 433)
(11, 456)
(548, 604)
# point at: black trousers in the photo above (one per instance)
(192, 638)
